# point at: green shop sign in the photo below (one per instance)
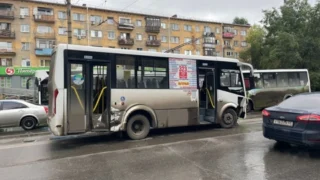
(20, 71)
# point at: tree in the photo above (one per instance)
(238, 20)
(292, 38)
(254, 53)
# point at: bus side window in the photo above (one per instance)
(282, 79)
(303, 78)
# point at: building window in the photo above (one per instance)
(6, 46)
(110, 20)
(188, 52)
(187, 40)
(24, 81)
(44, 43)
(164, 39)
(218, 30)
(5, 82)
(45, 63)
(139, 49)
(62, 31)
(235, 43)
(198, 41)
(139, 37)
(175, 27)
(235, 32)
(125, 20)
(24, 11)
(227, 43)
(79, 32)
(229, 53)
(62, 15)
(217, 41)
(163, 26)
(111, 35)
(6, 61)
(197, 52)
(44, 29)
(25, 62)
(95, 19)
(95, 33)
(25, 28)
(126, 48)
(197, 29)
(243, 43)
(175, 39)
(243, 33)
(138, 23)
(187, 28)
(78, 17)
(25, 46)
(207, 29)
(236, 54)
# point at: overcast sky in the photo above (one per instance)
(215, 10)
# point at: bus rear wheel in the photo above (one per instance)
(138, 127)
(229, 118)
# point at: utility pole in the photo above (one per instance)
(69, 21)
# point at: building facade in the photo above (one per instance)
(29, 31)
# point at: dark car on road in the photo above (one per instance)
(294, 121)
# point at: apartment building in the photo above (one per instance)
(29, 30)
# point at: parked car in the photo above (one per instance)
(21, 113)
(294, 121)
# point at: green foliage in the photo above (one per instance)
(238, 20)
(289, 38)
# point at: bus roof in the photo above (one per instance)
(142, 53)
(276, 70)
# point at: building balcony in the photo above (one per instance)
(153, 29)
(126, 41)
(228, 46)
(209, 45)
(47, 35)
(6, 14)
(8, 34)
(228, 35)
(125, 26)
(153, 43)
(43, 51)
(7, 51)
(44, 18)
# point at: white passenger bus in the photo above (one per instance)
(135, 91)
(275, 85)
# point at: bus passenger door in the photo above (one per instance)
(99, 96)
(76, 101)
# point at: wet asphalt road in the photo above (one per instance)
(179, 153)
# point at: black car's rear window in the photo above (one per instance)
(301, 102)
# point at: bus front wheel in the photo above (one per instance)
(138, 127)
(229, 118)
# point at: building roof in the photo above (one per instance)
(137, 13)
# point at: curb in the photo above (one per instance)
(24, 135)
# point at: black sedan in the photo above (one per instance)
(294, 121)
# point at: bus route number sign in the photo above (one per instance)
(183, 72)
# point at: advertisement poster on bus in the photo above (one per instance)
(183, 73)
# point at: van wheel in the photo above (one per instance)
(138, 127)
(229, 118)
(28, 123)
